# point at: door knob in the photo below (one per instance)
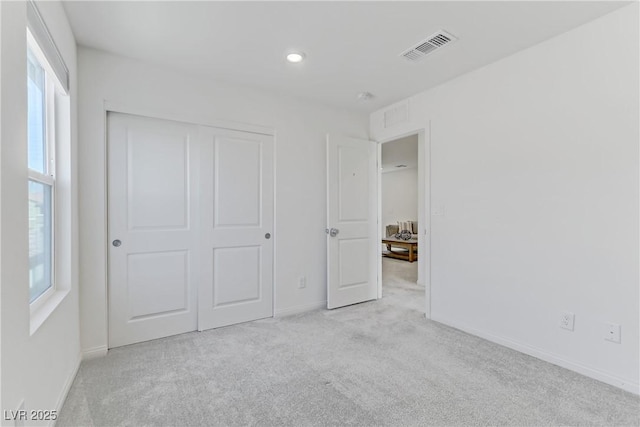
(267, 236)
(332, 232)
(116, 243)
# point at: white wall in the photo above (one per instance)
(2, 277)
(300, 241)
(535, 161)
(35, 368)
(399, 196)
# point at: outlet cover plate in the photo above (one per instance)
(612, 332)
(567, 320)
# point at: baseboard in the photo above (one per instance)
(67, 386)
(538, 353)
(299, 309)
(92, 353)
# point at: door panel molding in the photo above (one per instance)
(352, 209)
(246, 277)
(152, 204)
(164, 180)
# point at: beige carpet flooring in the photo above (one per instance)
(379, 363)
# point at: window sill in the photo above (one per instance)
(39, 316)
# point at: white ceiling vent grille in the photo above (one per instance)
(431, 44)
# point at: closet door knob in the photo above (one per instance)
(332, 232)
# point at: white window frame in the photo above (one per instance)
(52, 86)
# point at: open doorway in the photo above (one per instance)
(354, 219)
(399, 221)
(404, 197)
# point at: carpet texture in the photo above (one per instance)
(370, 364)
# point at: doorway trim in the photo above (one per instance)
(424, 209)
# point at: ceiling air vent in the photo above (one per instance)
(430, 45)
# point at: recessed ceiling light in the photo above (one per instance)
(295, 57)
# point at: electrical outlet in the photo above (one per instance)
(612, 332)
(302, 283)
(567, 320)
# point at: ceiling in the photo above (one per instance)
(351, 47)
(403, 151)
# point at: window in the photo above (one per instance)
(41, 178)
(50, 184)
(42, 87)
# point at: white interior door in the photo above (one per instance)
(153, 240)
(236, 227)
(352, 234)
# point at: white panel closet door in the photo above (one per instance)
(153, 221)
(236, 225)
(352, 245)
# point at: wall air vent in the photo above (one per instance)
(396, 114)
(431, 44)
